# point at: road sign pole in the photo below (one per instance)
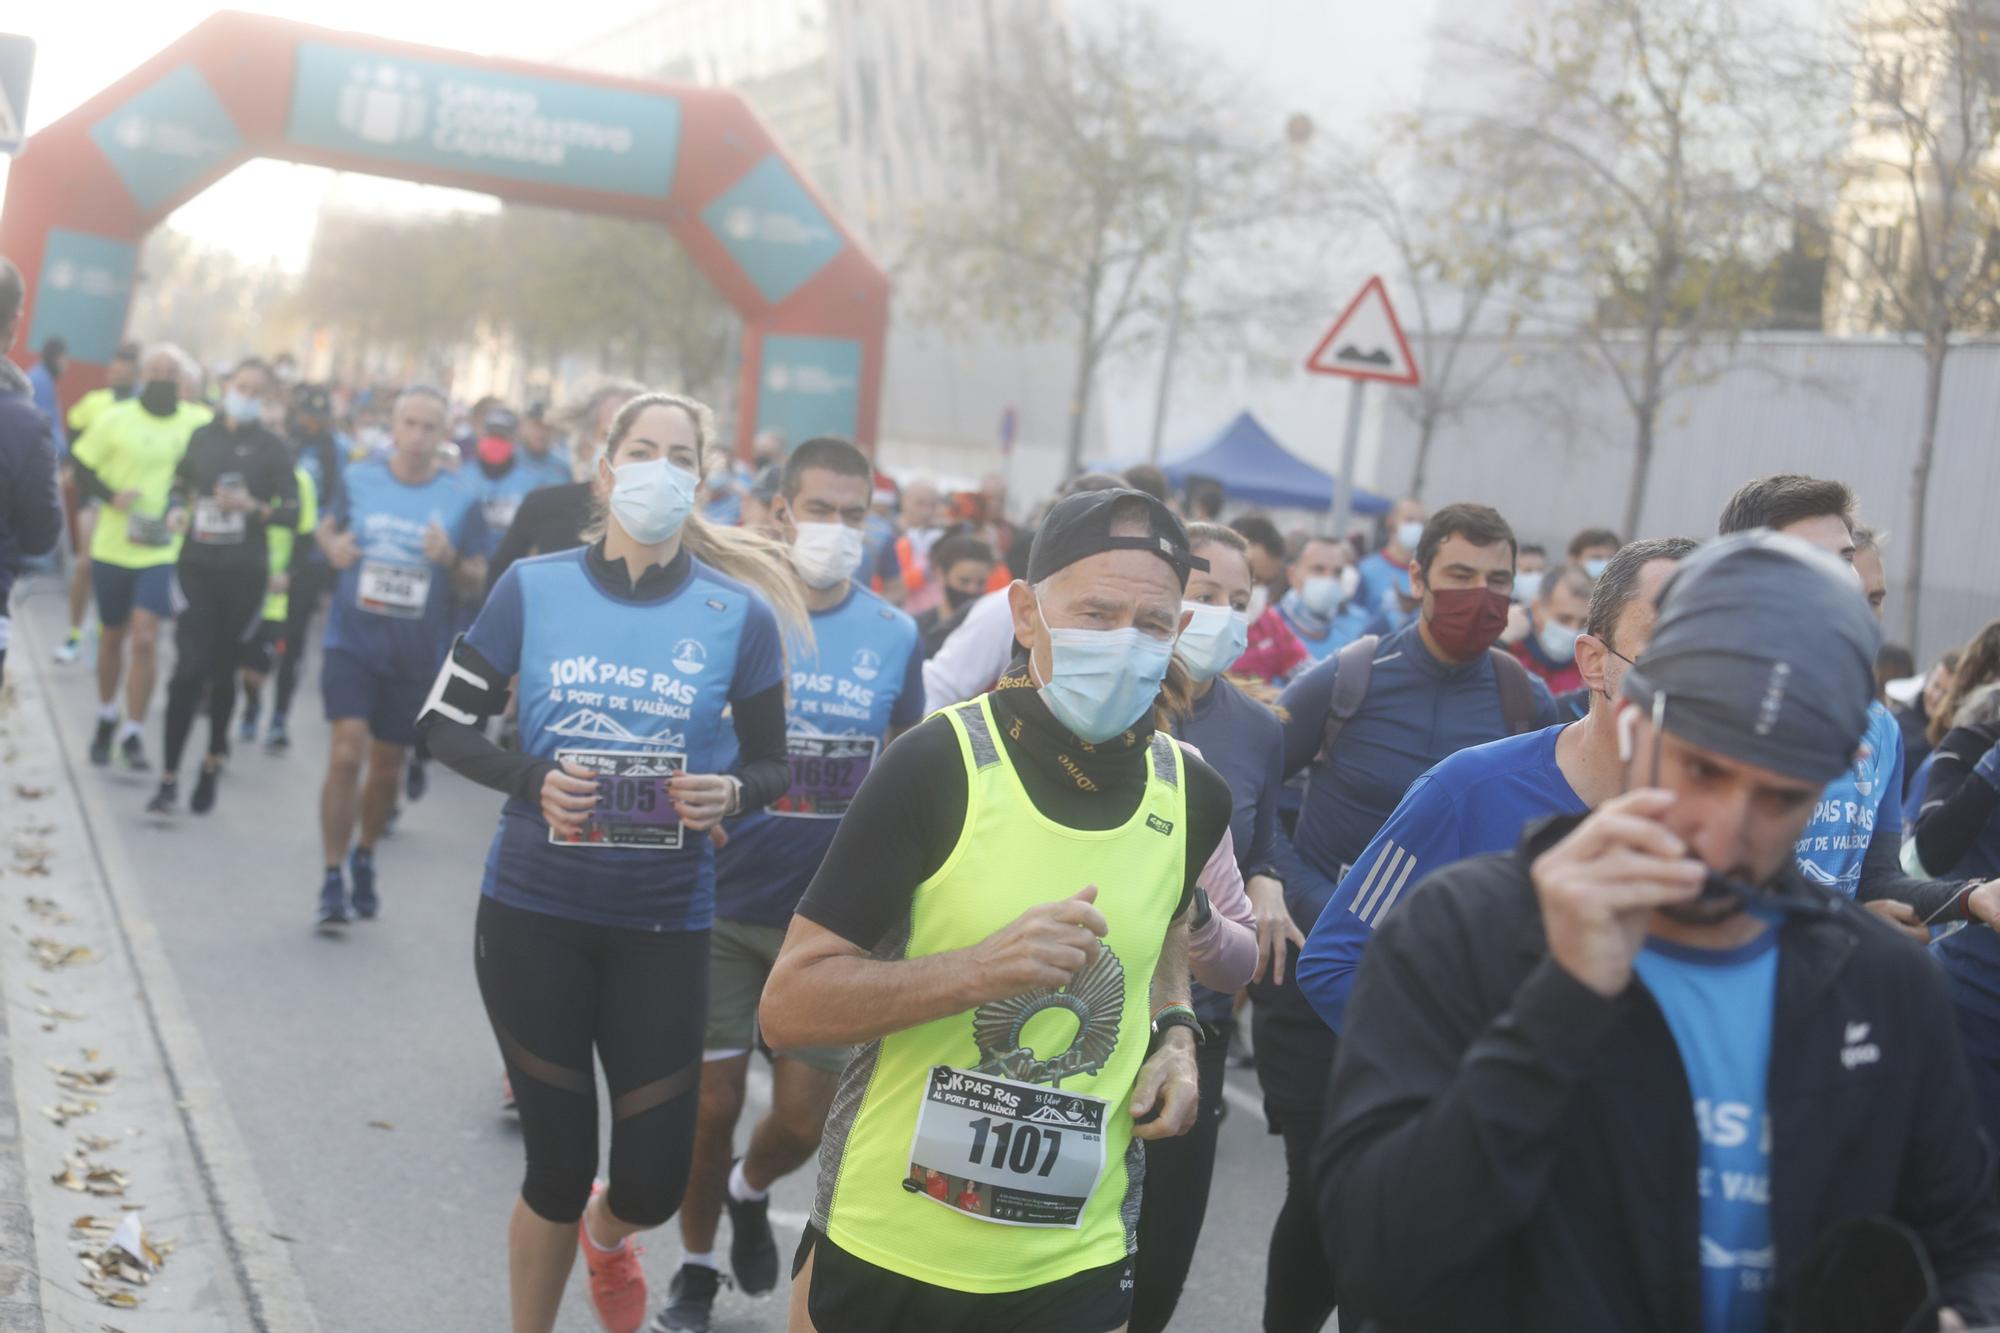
(1350, 449)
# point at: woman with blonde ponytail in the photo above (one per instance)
(632, 654)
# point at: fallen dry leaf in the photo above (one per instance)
(64, 1112)
(45, 908)
(59, 1015)
(27, 793)
(380, 1124)
(53, 954)
(95, 1142)
(111, 1295)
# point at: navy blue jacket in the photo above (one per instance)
(30, 513)
(1418, 710)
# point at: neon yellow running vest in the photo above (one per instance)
(992, 1150)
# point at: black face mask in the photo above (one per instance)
(160, 397)
(957, 597)
(120, 392)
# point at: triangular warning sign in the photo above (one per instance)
(10, 120)
(1366, 342)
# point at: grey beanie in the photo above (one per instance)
(1765, 650)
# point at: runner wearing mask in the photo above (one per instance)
(1385, 575)
(1642, 1074)
(1034, 849)
(1531, 567)
(1244, 742)
(121, 381)
(1367, 722)
(1555, 618)
(553, 517)
(962, 564)
(1323, 608)
(1274, 652)
(394, 538)
(1479, 799)
(859, 686)
(234, 482)
(1591, 550)
(593, 922)
(127, 460)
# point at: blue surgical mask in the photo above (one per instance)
(651, 500)
(1102, 681)
(1409, 534)
(1595, 567)
(1214, 638)
(241, 408)
(1321, 594)
(1558, 642)
(1527, 586)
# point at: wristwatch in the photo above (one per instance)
(1203, 910)
(1177, 1016)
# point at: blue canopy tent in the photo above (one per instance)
(1255, 469)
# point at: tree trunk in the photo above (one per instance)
(1936, 348)
(1646, 415)
(1421, 466)
(1086, 374)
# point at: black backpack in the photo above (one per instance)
(1357, 664)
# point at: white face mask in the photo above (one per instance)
(1350, 583)
(1409, 534)
(651, 500)
(1321, 594)
(1214, 638)
(826, 553)
(1527, 586)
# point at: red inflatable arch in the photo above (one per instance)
(86, 190)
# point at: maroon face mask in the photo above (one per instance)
(1467, 621)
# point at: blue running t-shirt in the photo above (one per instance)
(1474, 802)
(863, 676)
(601, 672)
(393, 605)
(1860, 805)
(1718, 1004)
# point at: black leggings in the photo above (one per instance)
(224, 607)
(1299, 1292)
(553, 988)
(310, 580)
(1175, 1198)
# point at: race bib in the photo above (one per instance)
(396, 590)
(499, 514)
(145, 530)
(1015, 1153)
(635, 810)
(216, 526)
(826, 772)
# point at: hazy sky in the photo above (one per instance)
(1337, 60)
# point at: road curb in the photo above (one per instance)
(270, 1285)
(20, 1285)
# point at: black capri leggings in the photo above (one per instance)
(553, 988)
(223, 607)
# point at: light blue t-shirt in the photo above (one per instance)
(606, 673)
(863, 675)
(500, 497)
(392, 607)
(1718, 1004)
(1860, 805)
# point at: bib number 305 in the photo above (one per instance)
(1007, 1152)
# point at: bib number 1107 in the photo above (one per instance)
(1016, 1148)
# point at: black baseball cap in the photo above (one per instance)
(500, 421)
(1079, 526)
(312, 400)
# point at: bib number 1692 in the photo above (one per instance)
(1017, 1148)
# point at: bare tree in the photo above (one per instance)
(1465, 230)
(1914, 245)
(1088, 138)
(1656, 129)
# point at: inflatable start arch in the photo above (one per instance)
(85, 191)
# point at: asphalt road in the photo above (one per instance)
(361, 1072)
